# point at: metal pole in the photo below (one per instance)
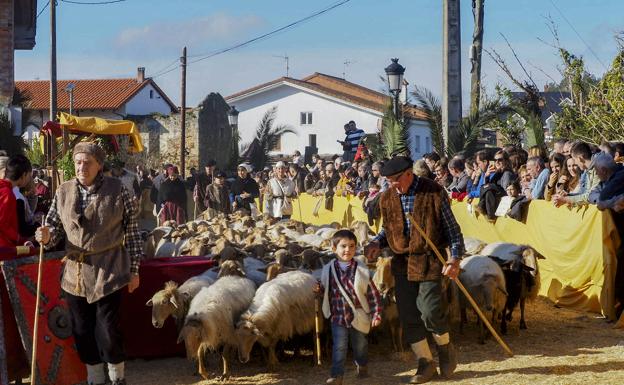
(451, 87)
(396, 106)
(183, 114)
(71, 102)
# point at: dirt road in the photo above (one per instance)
(560, 347)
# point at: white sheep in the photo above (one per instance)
(485, 281)
(281, 308)
(174, 300)
(209, 324)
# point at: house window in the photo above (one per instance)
(151, 94)
(417, 143)
(428, 144)
(305, 118)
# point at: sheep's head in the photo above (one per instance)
(282, 257)
(310, 259)
(383, 278)
(164, 303)
(529, 259)
(246, 336)
(192, 334)
(231, 267)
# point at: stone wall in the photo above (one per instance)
(6, 53)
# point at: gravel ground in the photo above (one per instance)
(561, 346)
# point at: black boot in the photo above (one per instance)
(448, 359)
(426, 371)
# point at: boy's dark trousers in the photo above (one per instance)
(359, 342)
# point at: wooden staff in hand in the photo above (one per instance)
(33, 359)
(484, 319)
(317, 322)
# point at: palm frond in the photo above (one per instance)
(432, 107)
(266, 139)
(393, 134)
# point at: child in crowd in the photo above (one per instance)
(218, 196)
(351, 302)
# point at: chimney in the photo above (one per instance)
(140, 74)
(403, 95)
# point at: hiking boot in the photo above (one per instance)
(447, 355)
(426, 371)
(362, 371)
(334, 380)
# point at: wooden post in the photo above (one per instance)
(183, 115)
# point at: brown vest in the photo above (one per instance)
(422, 264)
(94, 237)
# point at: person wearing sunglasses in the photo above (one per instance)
(417, 271)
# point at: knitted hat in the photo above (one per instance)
(92, 149)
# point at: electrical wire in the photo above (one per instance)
(268, 34)
(43, 9)
(578, 34)
(95, 3)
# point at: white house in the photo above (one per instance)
(320, 105)
(104, 98)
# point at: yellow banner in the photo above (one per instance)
(578, 244)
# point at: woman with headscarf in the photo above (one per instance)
(279, 192)
(172, 198)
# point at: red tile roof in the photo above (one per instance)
(89, 94)
(341, 89)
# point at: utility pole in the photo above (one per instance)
(53, 105)
(183, 114)
(476, 50)
(451, 85)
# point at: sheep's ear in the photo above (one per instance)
(149, 303)
(173, 302)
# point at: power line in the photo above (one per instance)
(164, 69)
(578, 34)
(43, 9)
(96, 3)
(269, 34)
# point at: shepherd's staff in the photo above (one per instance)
(317, 329)
(33, 359)
(461, 287)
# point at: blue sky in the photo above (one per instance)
(112, 40)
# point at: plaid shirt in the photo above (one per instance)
(449, 224)
(132, 237)
(341, 312)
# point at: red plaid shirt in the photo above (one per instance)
(341, 312)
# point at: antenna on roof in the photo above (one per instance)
(344, 68)
(286, 58)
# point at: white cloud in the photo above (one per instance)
(217, 27)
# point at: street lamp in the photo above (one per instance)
(70, 90)
(395, 72)
(233, 116)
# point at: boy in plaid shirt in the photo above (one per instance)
(345, 276)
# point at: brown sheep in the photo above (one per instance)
(384, 280)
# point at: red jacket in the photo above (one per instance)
(9, 235)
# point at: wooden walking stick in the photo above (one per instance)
(33, 359)
(461, 287)
(317, 330)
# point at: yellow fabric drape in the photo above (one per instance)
(100, 126)
(578, 244)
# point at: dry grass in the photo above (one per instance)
(560, 347)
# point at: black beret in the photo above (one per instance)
(396, 165)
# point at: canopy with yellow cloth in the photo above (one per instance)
(100, 126)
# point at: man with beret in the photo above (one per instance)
(417, 271)
(97, 216)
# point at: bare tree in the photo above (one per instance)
(476, 54)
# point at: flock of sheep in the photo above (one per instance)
(261, 291)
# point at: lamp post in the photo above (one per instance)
(70, 90)
(233, 116)
(395, 72)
